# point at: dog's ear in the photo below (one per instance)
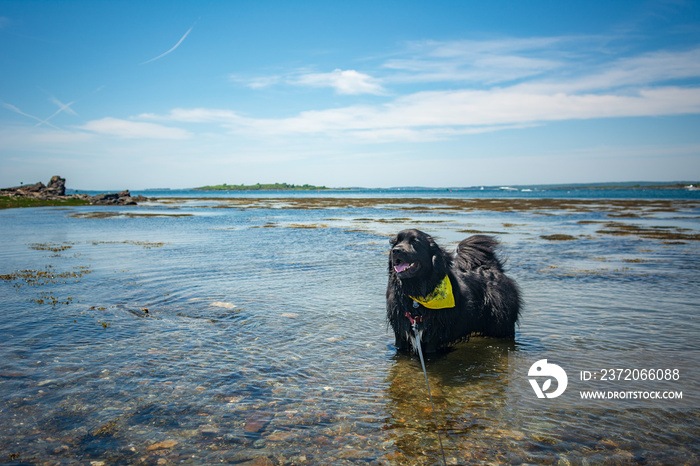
(438, 257)
(393, 241)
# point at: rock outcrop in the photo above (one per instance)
(56, 189)
(56, 186)
(121, 198)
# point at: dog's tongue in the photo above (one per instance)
(401, 267)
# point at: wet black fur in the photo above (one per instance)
(487, 302)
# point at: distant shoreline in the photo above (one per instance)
(265, 187)
(690, 185)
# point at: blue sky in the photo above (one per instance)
(148, 94)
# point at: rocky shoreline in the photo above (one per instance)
(56, 191)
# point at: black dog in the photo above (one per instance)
(448, 297)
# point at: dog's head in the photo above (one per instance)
(414, 254)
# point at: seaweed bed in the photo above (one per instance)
(7, 202)
(621, 212)
(618, 209)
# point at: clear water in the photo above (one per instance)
(252, 330)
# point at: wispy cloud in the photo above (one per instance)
(133, 129)
(507, 84)
(551, 64)
(476, 62)
(441, 114)
(648, 69)
(495, 84)
(171, 49)
(432, 115)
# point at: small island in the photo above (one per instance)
(262, 187)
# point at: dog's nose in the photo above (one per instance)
(396, 250)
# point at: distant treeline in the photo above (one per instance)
(261, 187)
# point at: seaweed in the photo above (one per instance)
(558, 237)
(50, 246)
(43, 277)
(614, 207)
(112, 214)
(52, 300)
(667, 233)
(106, 430)
(145, 244)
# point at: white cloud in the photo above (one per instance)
(264, 81)
(509, 83)
(195, 115)
(133, 129)
(343, 81)
(549, 65)
(348, 82)
(439, 114)
(505, 84)
(426, 116)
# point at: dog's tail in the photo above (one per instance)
(478, 251)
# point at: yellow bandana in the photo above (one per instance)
(440, 298)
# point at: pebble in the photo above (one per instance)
(280, 436)
(224, 305)
(162, 445)
(256, 422)
(259, 461)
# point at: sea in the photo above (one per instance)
(250, 328)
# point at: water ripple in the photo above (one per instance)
(258, 334)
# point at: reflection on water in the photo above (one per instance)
(200, 335)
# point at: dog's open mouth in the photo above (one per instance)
(402, 267)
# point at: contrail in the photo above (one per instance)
(62, 107)
(172, 49)
(16, 110)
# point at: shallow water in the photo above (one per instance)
(253, 330)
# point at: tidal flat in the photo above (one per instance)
(252, 331)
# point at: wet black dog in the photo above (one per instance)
(448, 296)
